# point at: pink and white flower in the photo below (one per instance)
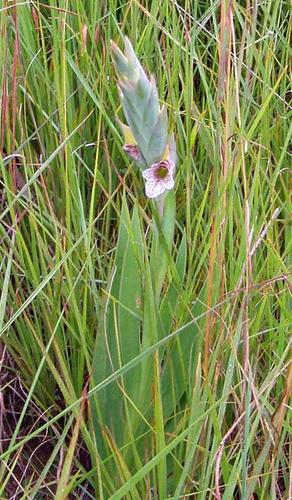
(159, 178)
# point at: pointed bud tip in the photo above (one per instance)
(113, 46)
(127, 42)
(115, 50)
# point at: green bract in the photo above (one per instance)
(139, 98)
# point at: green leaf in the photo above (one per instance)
(119, 341)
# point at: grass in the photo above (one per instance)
(112, 388)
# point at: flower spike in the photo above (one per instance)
(146, 134)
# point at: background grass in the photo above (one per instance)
(75, 234)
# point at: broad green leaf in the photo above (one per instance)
(119, 341)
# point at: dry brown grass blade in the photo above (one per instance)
(65, 476)
(218, 221)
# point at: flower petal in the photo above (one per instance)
(171, 167)
(149, 174)
(168, 182)
(154, 189)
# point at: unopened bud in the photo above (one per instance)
(133, 151)
(83, 38)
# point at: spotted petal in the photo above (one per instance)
(169, 182)
(149, 174)
(154, 188)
